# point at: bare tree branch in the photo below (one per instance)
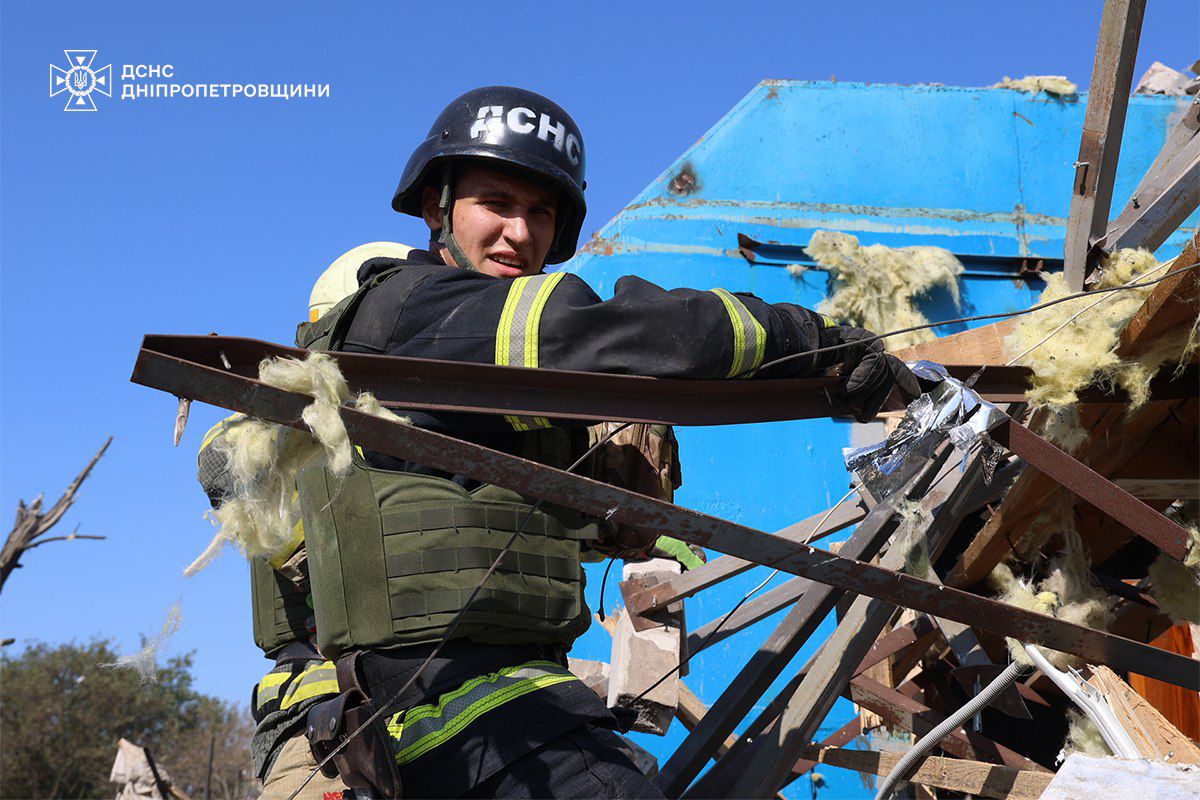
(31, 524)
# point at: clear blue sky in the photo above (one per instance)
(191, 216)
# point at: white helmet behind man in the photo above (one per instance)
(341, 279)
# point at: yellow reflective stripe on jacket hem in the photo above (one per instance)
(314, 681)
(749, 336)
(268, 688)
(424, 727)
(517, 333)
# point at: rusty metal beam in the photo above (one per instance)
(1089, 485)
(1103, 126)
(257, 399)
(416, 384)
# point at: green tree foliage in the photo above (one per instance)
(62, 712)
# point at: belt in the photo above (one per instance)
(384, 672)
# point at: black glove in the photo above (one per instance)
(868, 374)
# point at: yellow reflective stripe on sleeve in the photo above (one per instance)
(423, 728)
(533, 324)
(749, 336)
(828, 321)
(517, 333)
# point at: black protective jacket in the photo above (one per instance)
(430, 310)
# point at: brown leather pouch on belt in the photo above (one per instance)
(366, 761)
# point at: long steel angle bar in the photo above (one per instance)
(238, 393)
(846, 647)
(1103, 126)
(1094, 488)
(643, 596)
(784, 642)
(420, 384)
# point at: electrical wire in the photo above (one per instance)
(383, 709)
(930, 740)
(976, 318)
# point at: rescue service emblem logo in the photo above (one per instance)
(492, 120)
(79, 80)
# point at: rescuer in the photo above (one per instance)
(280, 598)
(396, 548)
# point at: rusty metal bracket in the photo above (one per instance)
(1093, 487)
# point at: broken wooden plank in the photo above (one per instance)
(1171, 306)
(977, 347)
(1156, 738)
(1149, 190)
(1161, 488)
(1103, 127)
(850, 642)
(956, 774)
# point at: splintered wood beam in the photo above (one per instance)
(1172, 306)
(956, 774)
(1170, 197)
(977, 347)
(1143, 222)
(1103, 126)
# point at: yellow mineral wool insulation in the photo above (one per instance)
(910, 535)
(1072, 345)
(1176, 588)
(145, 661)
(875, 286)
(1051, 84)
(264, 459)
(1083, 737)
(1067, 592)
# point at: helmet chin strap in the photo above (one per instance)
(446, 236)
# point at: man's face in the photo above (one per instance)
(505, 224)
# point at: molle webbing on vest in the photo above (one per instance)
(399, 555)
(749, 336)
(517, 334)
(281, 609)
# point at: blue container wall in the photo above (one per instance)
(977, 171)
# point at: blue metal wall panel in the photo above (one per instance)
(978, 171)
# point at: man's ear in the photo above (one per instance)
(431, 208)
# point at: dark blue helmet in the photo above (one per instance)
(506, 126)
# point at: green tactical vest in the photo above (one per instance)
(394, 556)
(280, 607)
